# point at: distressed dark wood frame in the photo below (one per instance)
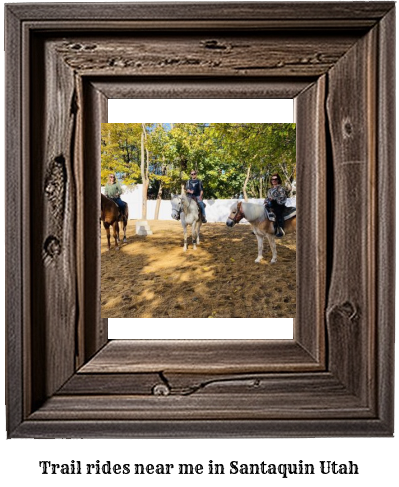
(64, 379)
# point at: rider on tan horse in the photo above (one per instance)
(261, 225)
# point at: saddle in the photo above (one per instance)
(195, 199)
(120, 209)
(288, 213)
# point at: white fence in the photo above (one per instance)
(216, 210)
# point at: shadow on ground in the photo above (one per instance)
(152, 276)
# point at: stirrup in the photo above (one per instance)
(280, 232)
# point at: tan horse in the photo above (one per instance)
(261, 226)
(110, 216)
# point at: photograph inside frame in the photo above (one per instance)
(198, 220)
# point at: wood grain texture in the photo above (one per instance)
(111, 384)
(240, 55)
(275, 396)
(177, 87)
(208, 11)
(200, 356)
(203, 407)
(95, 112)
(185, 384)
(351, 110)
(385, 245)
(53, 210)
(64, 63)
(115, 428)
(15, 244)
(312, 217)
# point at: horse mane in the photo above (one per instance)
(186, 201)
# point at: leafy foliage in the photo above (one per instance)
(120, 151)
(221, 153)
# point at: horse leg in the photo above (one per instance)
(185, 238)
(260, 249)
(106, 226)
(115, 227)
(198, 231)
(194, 234)
(272, 242)
(117, 230)
(124, 230)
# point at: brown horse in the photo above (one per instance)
(110, 216)
(261, 226)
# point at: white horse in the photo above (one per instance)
(186, 210)
(261, 225)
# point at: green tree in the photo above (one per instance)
(259, 150)
(230, 158)
(120, 151)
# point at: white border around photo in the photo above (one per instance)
(207, 111)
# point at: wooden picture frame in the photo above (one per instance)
(64, 378)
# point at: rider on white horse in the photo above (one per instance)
(195, 190)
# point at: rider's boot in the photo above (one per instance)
(280, 228)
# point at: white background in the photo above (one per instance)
(377, 457)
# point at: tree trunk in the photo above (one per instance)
(260, 187)
(159, 200)
(244, 189)
(183, 167)
(160, 189)
(144, 178)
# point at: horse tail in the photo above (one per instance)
(102, 217)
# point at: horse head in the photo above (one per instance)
(236, 214)
(177, 206)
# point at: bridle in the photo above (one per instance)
(179, 210)
(240, 214)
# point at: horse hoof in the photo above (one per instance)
(116, 248)
(273, 261)
(258, 260)
(125, 240)
(184, 249)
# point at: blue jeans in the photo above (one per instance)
(202, 206)
(120, 203)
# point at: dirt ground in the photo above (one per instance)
(152, 277)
